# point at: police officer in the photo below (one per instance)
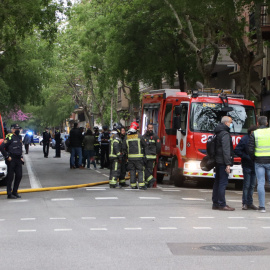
(104, 139)
(115, 155)
(46, 142)
(57, 138)
(123, 169)
(153, 147)
(133, 145)
(97, 144)
(12, 151)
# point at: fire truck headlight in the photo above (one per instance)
(192, 166)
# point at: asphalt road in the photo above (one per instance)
(103, 228)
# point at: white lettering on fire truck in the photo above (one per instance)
(235, 139)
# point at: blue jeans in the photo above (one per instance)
(261, 169)
(76, 151)
(89, 156)
(248, 185)
(219, 188)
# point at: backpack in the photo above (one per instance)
(211, 146)
(208, 162)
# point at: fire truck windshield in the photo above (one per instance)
(206, 116)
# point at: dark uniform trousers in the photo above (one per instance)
(104, 160)
(123, 170)
(115, 171)
(149, 166)
(14, 166)
(46, 147)
(58, 149)
(133, 166)
(26, 146)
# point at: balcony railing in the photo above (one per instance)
(265, 18)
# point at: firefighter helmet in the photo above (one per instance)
(134, 125)
(117, 127)
(96, 128)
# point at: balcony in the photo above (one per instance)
(265, 23)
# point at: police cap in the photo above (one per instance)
(15, 126)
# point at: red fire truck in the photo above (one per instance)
(3, 166)
(184, 121)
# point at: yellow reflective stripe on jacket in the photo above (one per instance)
(112, 154)
(151, 156)
(262, 142)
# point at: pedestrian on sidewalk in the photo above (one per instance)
(248, 166)
(89, 152)
(259, 151)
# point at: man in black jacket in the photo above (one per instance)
(75, 139)
(241, 150)
(46, 142)
(224, 160)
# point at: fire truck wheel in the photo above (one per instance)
(160, 178)
(176, 177)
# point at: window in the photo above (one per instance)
(168, 116)
(206, 116)
(184, 113)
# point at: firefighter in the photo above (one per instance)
(133, 145)
(97, 145)
(115, 155)
(12, 151)
(153, 147)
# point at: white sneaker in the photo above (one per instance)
(262, 209)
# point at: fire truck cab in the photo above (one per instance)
(183, 123)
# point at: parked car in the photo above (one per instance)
(36, 139)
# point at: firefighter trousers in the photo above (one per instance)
(136, 166)
(149, 166)
(123, 170)
(115, 170)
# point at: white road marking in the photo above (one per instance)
(132, 189)
(98, 171)
(167, 228)
(193, 199)
(149, 198)
(147, 217)
(96, 189)
(57, 218)
(62, 230)
(106, 198)
(117, 217)
(266, 227)
(63, 199)
(236, 228)
(206, 217)
(88, 217)
(177, 217)
(98, 229)
(27, 230)
(210, 191)
(106, 175)
(28, 218)
(234, 201)
(17, 201)
(263, 217)
(202, 228)
(132, 229)
(2, 219)
(34, 181)
(170, 189)
(236, 217)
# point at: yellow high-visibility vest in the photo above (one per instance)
(262, 142)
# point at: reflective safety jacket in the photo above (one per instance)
(115, 147)
(259, 145)
(153, 146)
(262, 142)
(96, 143)
(134, 145)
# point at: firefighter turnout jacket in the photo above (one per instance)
(152, 146)
(134, 146)
(115, 148)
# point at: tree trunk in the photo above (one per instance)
(245, 72)
(181, 80)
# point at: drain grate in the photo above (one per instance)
(230, 248)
